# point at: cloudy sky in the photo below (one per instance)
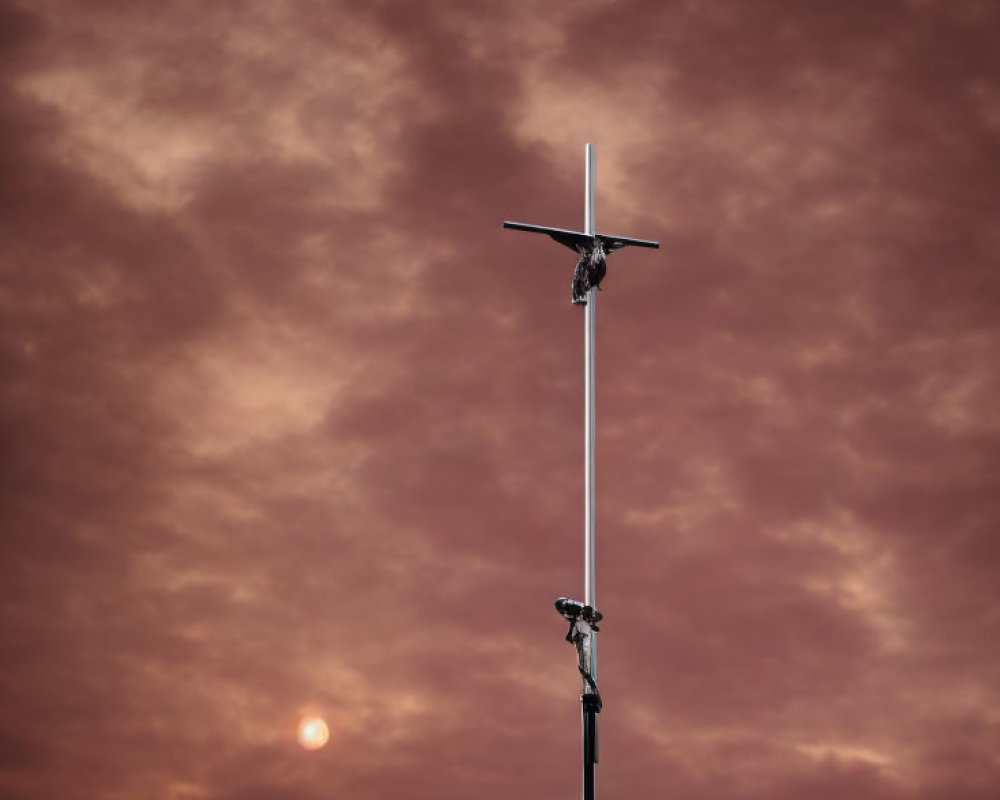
(292, 426)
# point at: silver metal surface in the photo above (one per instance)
(588, 335)
(590, 179)
(589, 318)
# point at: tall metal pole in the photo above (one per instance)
(589, 425)
(584, 617)
(589, 716)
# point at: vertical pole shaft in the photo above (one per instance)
(589, 715)
(589, 595)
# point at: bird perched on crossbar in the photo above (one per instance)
(593, 249)
(589, 270)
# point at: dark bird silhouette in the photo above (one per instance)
(593, 249)
(589, 271)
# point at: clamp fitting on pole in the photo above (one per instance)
(583, 621)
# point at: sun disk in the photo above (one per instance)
(313, 733)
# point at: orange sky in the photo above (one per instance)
(292, 427)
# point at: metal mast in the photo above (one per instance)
(590, 700)
(588, 345)
(590, 270)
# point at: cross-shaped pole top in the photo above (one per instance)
(592, 246)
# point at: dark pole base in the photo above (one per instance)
(591, 708)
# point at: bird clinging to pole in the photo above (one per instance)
(589, 271)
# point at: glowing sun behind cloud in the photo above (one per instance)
(313, 733)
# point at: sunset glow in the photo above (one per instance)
(313, 733)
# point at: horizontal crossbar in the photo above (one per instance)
(575, 240)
